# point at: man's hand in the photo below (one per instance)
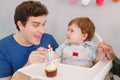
(38, 56)
(107, 50)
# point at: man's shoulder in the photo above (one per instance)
(5, 40)
(47, 34)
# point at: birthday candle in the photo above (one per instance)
(50, 55)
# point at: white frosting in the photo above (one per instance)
(50, 67)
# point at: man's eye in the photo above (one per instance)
(43, 24)
(36, 25)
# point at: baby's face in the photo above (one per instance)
(74, 34)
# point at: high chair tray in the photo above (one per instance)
(65, 72)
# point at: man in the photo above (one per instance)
(29, 45)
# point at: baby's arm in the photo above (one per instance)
(55, 55)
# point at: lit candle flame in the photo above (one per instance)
(49, 46)
(50, 55)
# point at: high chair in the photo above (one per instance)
(97, 39)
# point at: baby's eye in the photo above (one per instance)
(70, 30)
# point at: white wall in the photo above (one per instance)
(106, 18)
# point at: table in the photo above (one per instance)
(65, 72)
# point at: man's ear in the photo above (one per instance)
(20, 25)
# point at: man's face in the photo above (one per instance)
(33, 30)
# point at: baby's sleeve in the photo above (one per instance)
(60, 48)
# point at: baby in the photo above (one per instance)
(78, 49)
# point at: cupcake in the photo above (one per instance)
(51, 70)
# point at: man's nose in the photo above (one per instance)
(41, 29)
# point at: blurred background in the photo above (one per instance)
(105, 17)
